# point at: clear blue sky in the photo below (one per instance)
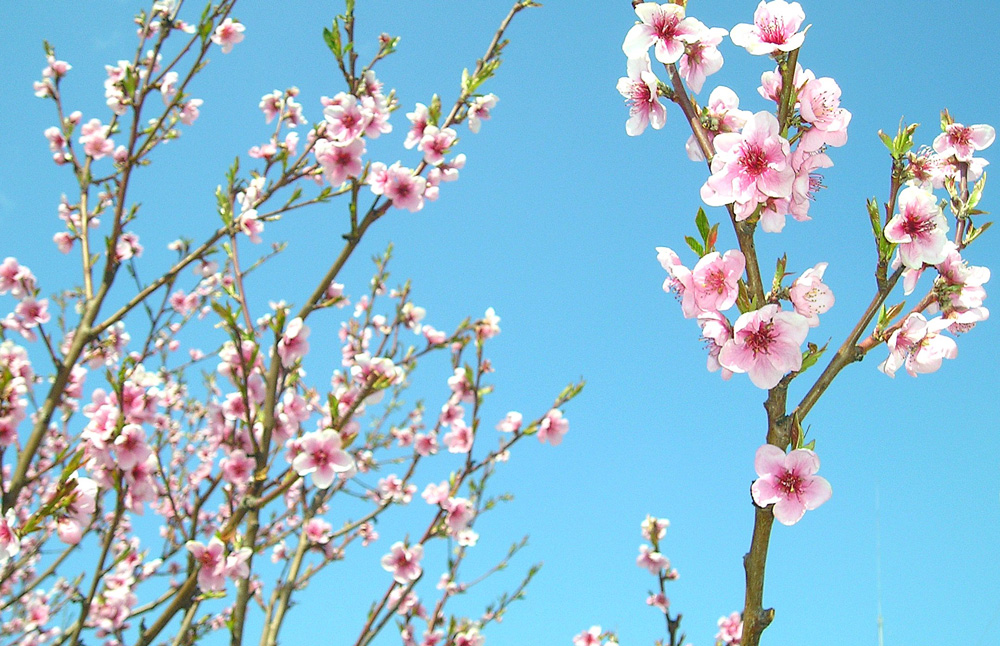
(554, 223)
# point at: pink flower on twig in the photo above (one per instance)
(788, 481)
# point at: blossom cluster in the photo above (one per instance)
(246, 459)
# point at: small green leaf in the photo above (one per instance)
(974, 233)
(332, 38)
(811, 356)
(779, 273)
(701, 221)
(977, 193)
(946, 120)
(695, 246)
(887, 140)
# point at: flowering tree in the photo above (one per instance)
(764, 167)
(158, 493)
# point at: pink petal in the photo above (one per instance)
(815, 491)
(789, 511)
(769, 460)
(802, 462)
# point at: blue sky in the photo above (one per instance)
(554, 223)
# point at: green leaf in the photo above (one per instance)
(974, 233)
(977, 192)
(779, 273)
(811, 356)
(695, 246)
(876, 221)
(885, 316)
(946, 120)
(887, 140)
(701, 221)
(332, 38)
(434, 110)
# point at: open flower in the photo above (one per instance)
(962, 141)
(663, 26)
(919, 229)
(639, 90)
(766, 345)
(919, 346)
(774, 28)
(750, 166)
(788, 481)
(321, 455)
(403, 562)
(810, 295)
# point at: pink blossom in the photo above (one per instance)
(652, 560)
(419, 119)
(460, 438)
(771, 82)
(788, 482)
(211, 563)
(553, 427)
(33, 312)
(774, 28)
(64, 241)
(652, 526)
(236, 566)
(962, 141)
(819, 104)
(714, 280)
(435, 143)
(590, 637)
(190, 111)
(320, 454)
(318, 530)
(642, 97)
(425, 444)
(470, 637)
(919, 228)
(128, 246)
(435, 494)
(293, 345)
(228, 34)
(919, 346)
(130, 447)
(251, 225)
(723, 115)
(807, 182)
(810, 296)
(271, 105)
(750, 166)
(730, 629)
(403, 562)
(488, 326)
(391, 488)
(56, 139)
(479, 111)
(963, 283)
(237, 467)
(766, 345)
(10, 542)
(345, 119)
(679, 280)
(663, 26)
(716, 331)
(511, 423)
(399, 184)
(95, 138)
(701, 57)
(460, 512)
